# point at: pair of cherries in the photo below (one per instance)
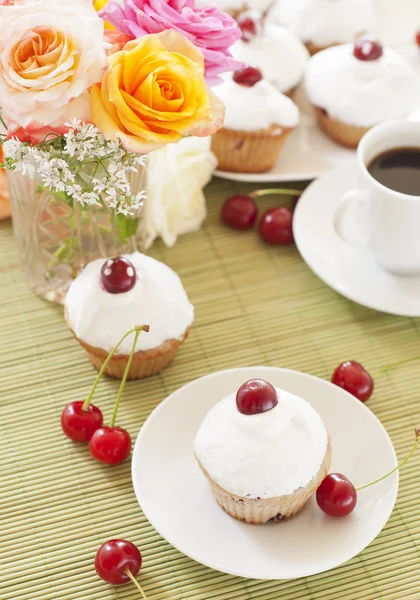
(82, 421)
(336, 496)
(275, 225)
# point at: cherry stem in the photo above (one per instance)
(88, 400)
(274, 192)
(136, 583)
(406, 459)
(138, 329)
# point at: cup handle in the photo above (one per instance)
(352, 218)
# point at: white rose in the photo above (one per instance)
(176, 176)
(50, 54)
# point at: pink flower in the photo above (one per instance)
(208, 28)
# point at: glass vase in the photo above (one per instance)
(56, 236)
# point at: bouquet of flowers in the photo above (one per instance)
(85, 95)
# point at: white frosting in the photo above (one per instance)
(158, 299)
(267, 455)
(256, 107)
(278, 53)
(232, 6)
(362, 93)
(325, 22)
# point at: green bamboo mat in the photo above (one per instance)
(254, 305)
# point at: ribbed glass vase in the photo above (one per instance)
(57, 236)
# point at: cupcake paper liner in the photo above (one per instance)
(257, 512)
(343, 133)
(249, 151)
(145, 362)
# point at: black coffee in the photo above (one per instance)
(398, 170)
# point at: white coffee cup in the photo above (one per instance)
(374, 216)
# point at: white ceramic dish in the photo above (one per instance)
(177, 500)
(309, 153)
(350, 271)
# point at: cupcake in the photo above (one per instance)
(264, 452)
(111, 296)
(257, 123)
(235, 7)
(273, 49)
(354, 87)
(324, 23)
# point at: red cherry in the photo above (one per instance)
(336, 495)
(114, 558)
(78, 424)
(111, 445)
(367, 48)
(418, 38)
(118, 275)
(275, 226)
(250, 24)
(239, 212)
(354, 378)
(256, 396)
(247, 77)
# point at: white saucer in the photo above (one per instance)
(307, 154)
(177, 500)
(349, 271)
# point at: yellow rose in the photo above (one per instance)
(154, 93)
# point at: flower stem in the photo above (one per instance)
(274, 192)
(88, 400)
(136, 583)
(138, 329)
(399, 466)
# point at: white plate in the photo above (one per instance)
(177, 500)
(307, 154)
(350, 271)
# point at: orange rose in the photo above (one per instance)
(154, 93)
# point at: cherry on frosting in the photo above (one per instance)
(418, 38)
(250, 24)
(255, 397)
(248, 76)
(118, 275)
(367, 48)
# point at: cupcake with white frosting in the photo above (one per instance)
(257, 123)
(324, 23)
(111, 296)
(235, 7)
(354, 87)
(274, 50)
(264, 452)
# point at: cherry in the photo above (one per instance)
(250, 24)
(118, 562)
(367, 48)
(275, 226)
(80, 423)
(118, 275)
(354, 378)
(256, 396)
(418, 38)
(111, 445)
(79, 420)
(248, 76)
(239, 212)
(336, 495)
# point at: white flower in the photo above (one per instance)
(50, 54)
(176, 177)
